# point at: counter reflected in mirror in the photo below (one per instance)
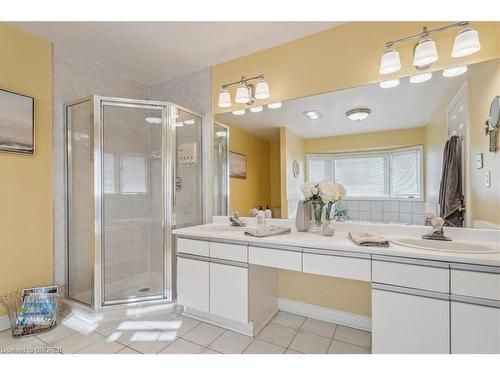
(402, 152)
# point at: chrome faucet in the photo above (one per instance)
(235, 220)
(438, 232)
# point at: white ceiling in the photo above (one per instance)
(153, 52)
(405, 106)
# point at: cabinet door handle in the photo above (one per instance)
(411, 291)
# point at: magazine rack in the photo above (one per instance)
(31, 314)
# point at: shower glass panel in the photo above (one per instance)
(221, 169)
(80, 189)
(188, 192)
(132, 202)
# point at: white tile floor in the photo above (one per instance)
(166, 332)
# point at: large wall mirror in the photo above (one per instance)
(404, 152)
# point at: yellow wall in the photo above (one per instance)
(483, 85)
(26, 187)
(293, 149)
(364, 141)
(341, 57)
(341, 294)
(256, 188)
(344, 56)
(275, 173)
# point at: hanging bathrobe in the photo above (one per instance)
(450, 190)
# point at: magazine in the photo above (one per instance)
(38, 310)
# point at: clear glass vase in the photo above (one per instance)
(317, 215)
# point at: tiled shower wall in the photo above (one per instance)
(76, 77)
(389, 211)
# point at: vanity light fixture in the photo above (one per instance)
(389, 83)
(358, 114)
(422, 77)
(246, 93)
(239, 112)
(259, 108)
(179, 124)
(425, 52)
(275, 105)
(312, 115)
(455, 71)
(189, 122)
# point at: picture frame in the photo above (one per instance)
(237, 165)
(17, 123)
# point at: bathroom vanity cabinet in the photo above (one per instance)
(418, 305)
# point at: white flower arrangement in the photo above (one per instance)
(324, 191)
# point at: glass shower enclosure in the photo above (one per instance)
(122, 164)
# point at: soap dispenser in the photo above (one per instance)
(268, 212)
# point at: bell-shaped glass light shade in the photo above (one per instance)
(242, 94)
(262, 89)
(466, 43)
(390, 62)
(454, 72)
(389, 83)
(224, 99)
(422, 77)
(425, 53)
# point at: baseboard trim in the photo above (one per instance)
(4, 322)
(345, 318)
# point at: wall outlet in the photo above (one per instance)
(487, 180)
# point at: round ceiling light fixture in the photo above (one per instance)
(239, 112)
(275, 105)
(358, 114)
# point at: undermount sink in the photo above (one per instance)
(223, 228)
(449, 246)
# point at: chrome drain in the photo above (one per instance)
(142, 290)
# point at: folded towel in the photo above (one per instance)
(368, 239)
(272, 230)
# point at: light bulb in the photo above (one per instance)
(262, 89)
(466, 43)
(390, 62)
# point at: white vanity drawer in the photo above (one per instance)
(286, 259)
(337, 266)
(195, 247)
(426, 275)
(228, 251)
(476, 283)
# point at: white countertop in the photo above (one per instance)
(341, 242)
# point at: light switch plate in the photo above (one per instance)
(479, 160)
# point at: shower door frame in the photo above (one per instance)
(168, 173)
(97, 104)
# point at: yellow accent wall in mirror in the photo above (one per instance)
(256, 188)
(26, 188)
